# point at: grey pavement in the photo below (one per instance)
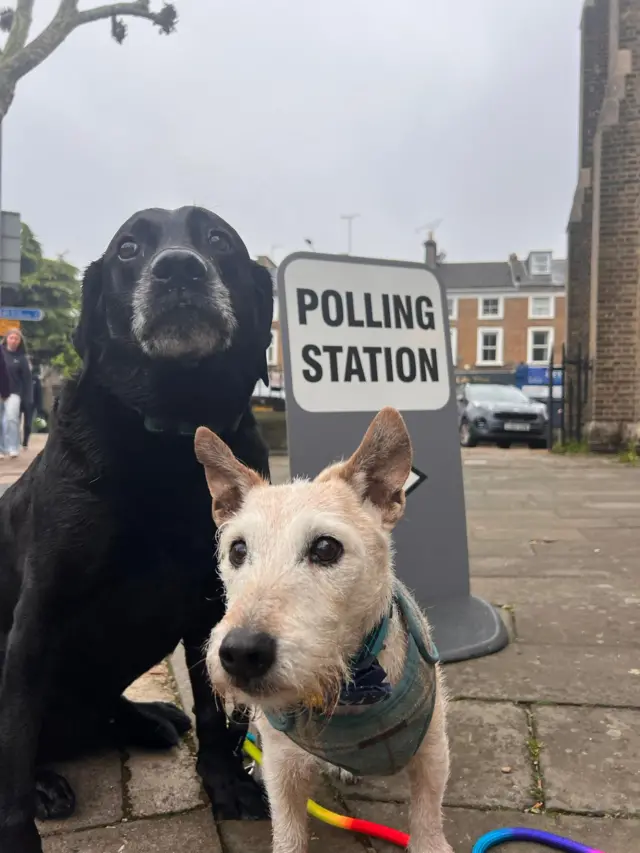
(544, 734)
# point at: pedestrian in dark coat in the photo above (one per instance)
(14, 351)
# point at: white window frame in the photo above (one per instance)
(493, 330)
(272, 351)
(537, 256)
(453, 314)
(530, 332)
(498, 316)
(453, 332)
(552, 307)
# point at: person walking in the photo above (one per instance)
(14, 353)
(5, 385)
(33, 409)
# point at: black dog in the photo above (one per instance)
(107, 542)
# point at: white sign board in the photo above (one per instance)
(359, 334)
(366, 337)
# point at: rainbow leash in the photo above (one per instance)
(401, 839)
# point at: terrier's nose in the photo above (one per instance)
(179, 264)
(247, 654)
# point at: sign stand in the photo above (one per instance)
(359, 334)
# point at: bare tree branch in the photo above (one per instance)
(67, 19)
(19, 33)
(137, 9)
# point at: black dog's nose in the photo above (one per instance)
(247, 654)
(179, 264)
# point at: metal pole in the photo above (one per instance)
(579, 395)
(349, 217)
(550, 404)
(563, 397)
(1, 224)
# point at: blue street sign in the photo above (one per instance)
(526, 374)
(22, 314)
(540, 376)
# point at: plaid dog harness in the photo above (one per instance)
(375, 729)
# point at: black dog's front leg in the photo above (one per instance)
(233, 793)
(26, 677)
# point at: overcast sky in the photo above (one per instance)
(281, 115)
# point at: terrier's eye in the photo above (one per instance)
(325, 550)
(238, 553)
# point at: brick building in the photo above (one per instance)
(503, 313)
(603, 307)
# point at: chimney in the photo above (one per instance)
(430, 252)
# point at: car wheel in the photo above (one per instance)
(504, 445)
(467, 438)
(541, 444)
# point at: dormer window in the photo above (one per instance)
(540, 263)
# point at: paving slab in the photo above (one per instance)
(484, 548)
(489, 761)
(464, 826)
(590, 611)
(597, 566)
(97, 782)
(590, 759)
(572, 550)
(612, 593)
(255, 837)
(156, 685)
(526, 534)
(162, 782)
(545, 673)
(177, 834)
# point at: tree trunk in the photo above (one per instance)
(7, 91)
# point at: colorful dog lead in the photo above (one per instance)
(401, 839)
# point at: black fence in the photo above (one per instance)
(575, 382)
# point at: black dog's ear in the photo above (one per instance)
(264, 313)
(92, 319)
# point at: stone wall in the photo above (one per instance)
(603, 316)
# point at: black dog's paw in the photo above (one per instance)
(20, 839)
(152, 725)
(170, 713)
(55, 799)
(234, 795)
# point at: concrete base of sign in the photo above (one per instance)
(466, 627)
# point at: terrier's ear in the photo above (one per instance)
(228, 479)
(380, 467)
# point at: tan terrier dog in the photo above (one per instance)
(320, 638)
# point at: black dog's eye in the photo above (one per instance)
(238, 553)
(325, 550)
(219, 241)
(128, 250)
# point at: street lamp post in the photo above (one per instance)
(349, 217)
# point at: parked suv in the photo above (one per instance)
(500, 414)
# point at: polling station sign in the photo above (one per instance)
(360, 335)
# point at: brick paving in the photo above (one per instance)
(544, 734)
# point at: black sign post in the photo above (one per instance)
(360, 334)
